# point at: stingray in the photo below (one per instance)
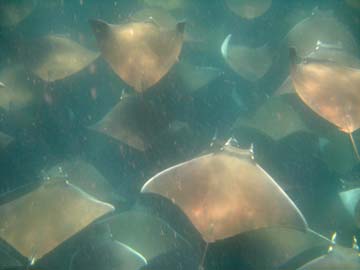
(140, 53)
(13, 12)
(55, 57)
(196, 77)
(107, 255)
(38, 221)
(148, 234)
(275, 246)
(351, 201)
(86, 177)
(19, 89)
(276, 118)
(133, 121)
(320, 26)
(225, 194)
(337, 258)
(323, 52)
(5, 140)
(329, 89)
(249, 9)
(250, 63)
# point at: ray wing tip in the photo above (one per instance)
(225, 46)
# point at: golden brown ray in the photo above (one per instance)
(13, 12)
(338, 258)
(276, 246)
(107, 255)
(351, 201)
(276, 118)
(19, 88)
(86, 177)
(37, 222)
(5, 140)
(217, 192)
(320, 26)
(153, 235)
(331, 90)
(328, 52)
(250, 63)
(54, 57)
(140, 53)
(249, 9)
(133, 121)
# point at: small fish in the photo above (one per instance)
(2, 85)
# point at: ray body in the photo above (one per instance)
(250, 63)
(351, 201)
(331, 90)
(12, 12)
(153, 235)
(133, 121)
(276, 118)
(217, 192)
(327, 53)
(86, 177)
(140, 53)
(107, 255)
(249, 9)
(37, 222)
(55, 57)
(338, 258)
(320, 26)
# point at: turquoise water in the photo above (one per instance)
(56, 125)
